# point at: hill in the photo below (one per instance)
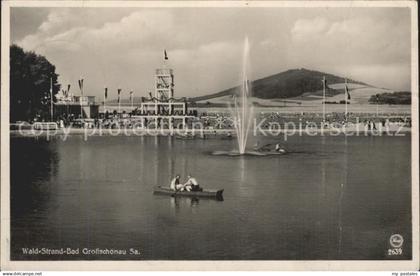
(288, 84)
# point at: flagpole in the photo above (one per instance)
(345, 98)
(67, 103)
(131, 95)
(51, 98)
(104, 105)
(81, 98)
(119, 102)
(323, 101)
(165, 59)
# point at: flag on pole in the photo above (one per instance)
(119, 92)
(346, 89)
(131, 95)
(68, 88)
(166, 55)
(106, 93)
(81, 86)
(325, 83)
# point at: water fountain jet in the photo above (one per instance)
(242, 111)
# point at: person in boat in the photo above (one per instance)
(278, 148)
(175, 182)
(192, 184)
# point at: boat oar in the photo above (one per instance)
(176, 191)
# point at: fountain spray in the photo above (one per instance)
(243, 111)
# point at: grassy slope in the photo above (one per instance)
(288, 84)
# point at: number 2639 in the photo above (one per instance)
(396, 251)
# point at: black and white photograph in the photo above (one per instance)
(210, 131)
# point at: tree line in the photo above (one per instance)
(399, 97)
(30, 82)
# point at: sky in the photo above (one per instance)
(121, 47)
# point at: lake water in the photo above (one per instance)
(329, 198)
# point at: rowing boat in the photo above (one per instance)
(217, 194)
(184, 137)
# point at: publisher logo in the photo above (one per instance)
(396, 241)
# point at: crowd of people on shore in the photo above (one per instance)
(224, 120)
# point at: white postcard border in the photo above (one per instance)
(389, 265)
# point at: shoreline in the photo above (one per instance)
(354, 130)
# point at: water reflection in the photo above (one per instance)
(343, 184)
(323, 167)
(99, 193)
(33, 164)
(177, 202)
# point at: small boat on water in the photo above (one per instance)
(217, 194)
(190, 137)
(268, 150)
(184, 137)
